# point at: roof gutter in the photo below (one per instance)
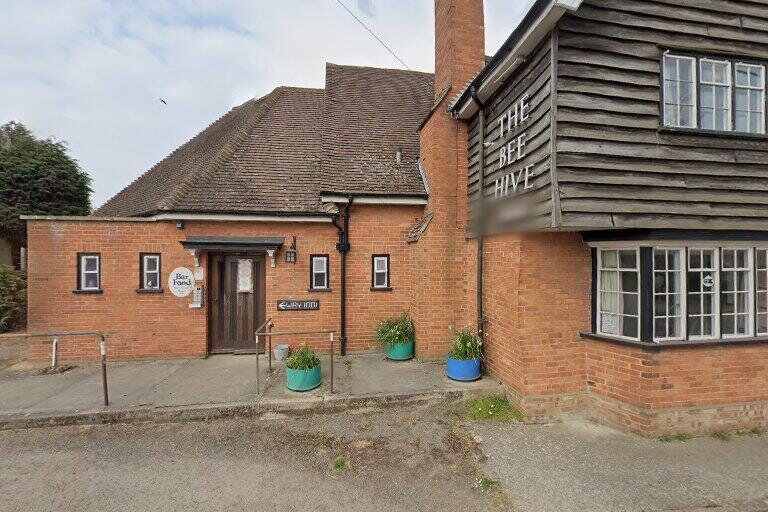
(372, 199)
(512, 55)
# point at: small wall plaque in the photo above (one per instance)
(297, 305)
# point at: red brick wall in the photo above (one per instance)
(152, 325)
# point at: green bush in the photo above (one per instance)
(395, 330)
(13, 298)
(466, 345)
(303, 359)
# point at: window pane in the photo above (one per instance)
(380, 264)
(629, 281)
(92, 281)
(319, 280)
(380, 279)
(628, 259)
(151, 281)
(92, 263)
(318, 264)
(629, 327)
(150, 263)
(609, 259)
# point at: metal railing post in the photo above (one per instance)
(103, 351)
(55, 353)
(269, 348)
(258, 370)
(332, 354)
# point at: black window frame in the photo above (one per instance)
(142, 288)
(733, 60)
(388, 285)
(312, 286)
(99, 275)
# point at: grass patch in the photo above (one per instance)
(486, 484)
(676, 438)
(722, 436)
(494, 408)
(340, 464)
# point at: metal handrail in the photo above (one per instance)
(269, 334)
(54, 338)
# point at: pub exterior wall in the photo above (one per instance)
(144, 326)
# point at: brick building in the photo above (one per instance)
(590, 198)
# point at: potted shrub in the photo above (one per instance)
(396, 335)
(302, 370)
(464, 359)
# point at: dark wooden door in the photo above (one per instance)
(237, 306)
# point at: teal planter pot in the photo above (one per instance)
(400, 351)
(302, 380)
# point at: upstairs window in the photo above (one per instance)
(714, 94)
(380, 272)
(318, 272)
(88, 272)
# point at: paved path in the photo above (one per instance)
(582, 467)
(215, 380)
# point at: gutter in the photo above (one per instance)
(336, 198)
(541, 19)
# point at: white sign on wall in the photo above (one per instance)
(181, 282)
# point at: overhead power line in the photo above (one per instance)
(370, 31)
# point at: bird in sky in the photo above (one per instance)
(163, 101)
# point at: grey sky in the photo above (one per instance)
(91, 72)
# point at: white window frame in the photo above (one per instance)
(600, 290)
(715, 295)
(728, 85)
(750, 296)
(84, 272)
(756, 270)
(385, 272)
(324, 272)
(750, 88)
(145, 273)
(683, 291)
(678, 105)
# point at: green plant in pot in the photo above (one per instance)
(302, 370)
(397, 335)
(464, 359)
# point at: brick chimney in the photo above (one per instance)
(459, 42)
(443, 258)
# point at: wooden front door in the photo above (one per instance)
(236, 302)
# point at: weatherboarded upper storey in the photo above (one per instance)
(625, 114)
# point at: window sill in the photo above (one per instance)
(675, 344)
(383, 289)
(320, 290)
(713, 133)
(150, 291)
(88, 292)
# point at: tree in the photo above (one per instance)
(37, 177)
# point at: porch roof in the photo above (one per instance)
(210, 243)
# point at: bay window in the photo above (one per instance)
(681, 292)
(714, 94)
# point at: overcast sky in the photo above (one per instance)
(91, 72)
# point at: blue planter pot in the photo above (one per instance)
(463, 370)
(302, 380)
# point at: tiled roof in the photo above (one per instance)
(276, 154)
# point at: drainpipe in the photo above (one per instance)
(343, 248)
(480, 214)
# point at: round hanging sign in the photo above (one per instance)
(181, 282)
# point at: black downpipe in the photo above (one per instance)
(480, 221)
(343, 247)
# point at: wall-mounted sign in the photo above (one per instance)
(297, 305)
(513, 151)
(197, 298)
(181, 282)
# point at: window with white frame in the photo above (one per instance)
(668, 311)
(680, 91)
(714, 94)
(319, 272)
(694, 292)
(750, 98)
(715, 103)
(380, 271)
(89, 272)
(619, 298)
(150, 272)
